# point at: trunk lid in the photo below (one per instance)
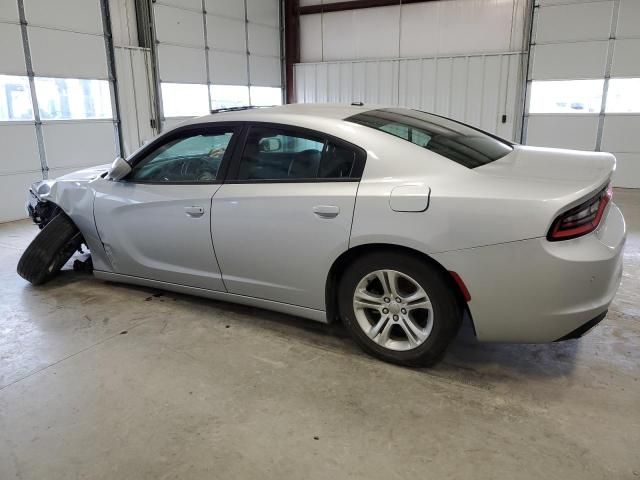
(573, 169)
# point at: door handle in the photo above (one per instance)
(326, 211)
(194, 211)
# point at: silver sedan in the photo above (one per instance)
(394, 221)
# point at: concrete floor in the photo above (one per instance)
(106, 381)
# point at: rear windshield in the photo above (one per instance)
(456, 141)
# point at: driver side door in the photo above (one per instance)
(156, 223)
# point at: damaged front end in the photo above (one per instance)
(41, 211)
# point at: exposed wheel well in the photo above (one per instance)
(343, 261)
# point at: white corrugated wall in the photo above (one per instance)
(460, 58)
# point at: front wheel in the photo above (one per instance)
(399, 308)
(50, 250)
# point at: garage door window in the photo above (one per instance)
(184, 99)
(73, 98)
(266, 96)
(623, 95)
(15, 98)
(566, 96)
(229, 96)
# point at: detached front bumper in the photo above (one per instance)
(535, 291)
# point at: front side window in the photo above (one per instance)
(190, 159)
(456, 141)
(279, 154)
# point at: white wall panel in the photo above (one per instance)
(79, 144)
(264, 40)
(621, 133)
(228, 68)
(338, 36)
(569, 60)
(563, 131)
(428, 29)
(195, 5)
(11, 50)
(226, 34)
(77, 15)
(377, 32)
(14, 188)
(311, 38)
(476, 89)
(322, 82)
(265, 71)
(444, 74)
(264, 11)
(629, 19)
(226, 8)
(64, 54)
(133, 69)
(178, 26)
(181, 64)
(626, 58)
(410, 88)
(582, 21)
(459, 27)
(123, 29)
(627, 170)
(9, 11)
(358, 81)
(333, 83)
(19, 148)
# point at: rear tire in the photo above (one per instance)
(50, 250)
(416, 303)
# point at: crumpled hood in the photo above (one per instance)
(86, 174)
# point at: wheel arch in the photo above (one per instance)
(341, 263)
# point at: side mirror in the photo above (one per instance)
(119, 169)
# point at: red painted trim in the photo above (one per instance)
(355, 5)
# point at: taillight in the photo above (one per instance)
(582, 219)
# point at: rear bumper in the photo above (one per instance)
(582, 330)
(538, 291)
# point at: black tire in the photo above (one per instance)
(50, 250)
(447, 311)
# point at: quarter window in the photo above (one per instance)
(279, 154)
(456, 141)
(190, 159)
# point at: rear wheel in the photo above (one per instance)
(50, 250)
(399, 308)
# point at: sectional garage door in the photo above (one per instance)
(55, 94)
(214, 54)
(584, 80)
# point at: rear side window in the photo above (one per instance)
(460, 143)
(288, 155)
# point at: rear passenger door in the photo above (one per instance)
(284, 213)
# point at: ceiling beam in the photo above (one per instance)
(354, 5)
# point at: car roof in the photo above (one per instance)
(332, 111)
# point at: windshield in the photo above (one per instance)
(456, 141)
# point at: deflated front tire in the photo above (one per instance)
(50, 250)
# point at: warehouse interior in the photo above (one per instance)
(109, 381)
